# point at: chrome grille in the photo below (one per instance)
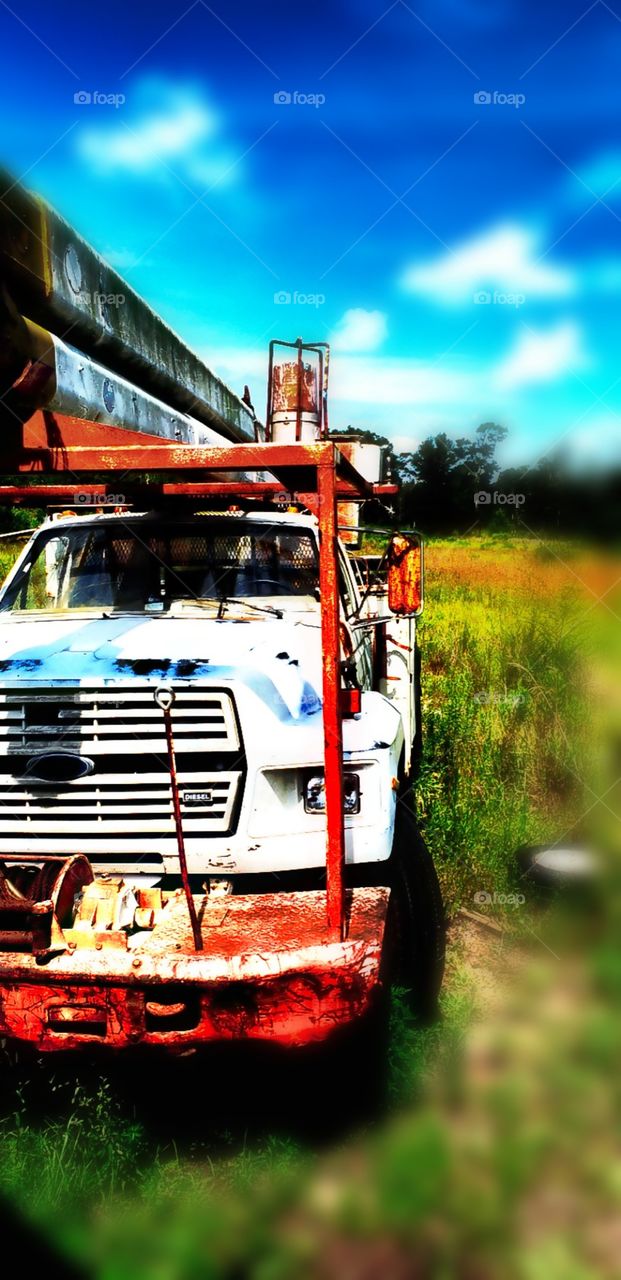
(126, 801)
(118, 806)
(113, 719)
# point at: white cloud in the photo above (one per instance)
(393, 382)
(142, 145)
(542, 356)
(360, 330)
(173, 130)
(504, 258)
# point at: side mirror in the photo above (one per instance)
(405, 574)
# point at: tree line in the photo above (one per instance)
(451, 486)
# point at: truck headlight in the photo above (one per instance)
(315, 793)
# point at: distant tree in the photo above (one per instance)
(441, 477)
(483, 451)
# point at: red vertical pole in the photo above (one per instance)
(326, 367)
(332, 726)
(270, 394)
(298, 407)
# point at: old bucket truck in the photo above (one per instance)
(206, 716)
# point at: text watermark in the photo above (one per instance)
(82, 499)
(296, 99)
(485, 297)
(284, 298)
(85, 98)
(494, 498)
(485, 899)
(495, 98)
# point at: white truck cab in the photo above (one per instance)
(223, 606)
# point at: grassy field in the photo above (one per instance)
(510, 642)
(497, 1154)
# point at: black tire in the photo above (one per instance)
(415, 926)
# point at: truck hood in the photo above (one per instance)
(285, 654)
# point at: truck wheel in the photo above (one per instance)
(415, 927)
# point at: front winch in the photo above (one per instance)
(37, 901)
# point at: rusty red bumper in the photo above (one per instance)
(270, 970)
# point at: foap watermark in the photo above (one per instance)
(485, 899)
(494, 498)
(84, 98)
(491, 698)
(483, 98)
(296, 99)
(283, 298)
(485, 298)
(82, 499)
(103, 299)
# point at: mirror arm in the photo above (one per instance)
(359, 623)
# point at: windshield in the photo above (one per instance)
(154, 565)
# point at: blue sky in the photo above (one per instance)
(438, 193)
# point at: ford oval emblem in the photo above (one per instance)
(58, 766)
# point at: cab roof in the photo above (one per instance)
(295, 519)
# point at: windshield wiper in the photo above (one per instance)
(223, 601)
(247, 604)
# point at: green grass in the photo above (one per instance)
(90, 1151)
(9, 552)
(503, 709)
